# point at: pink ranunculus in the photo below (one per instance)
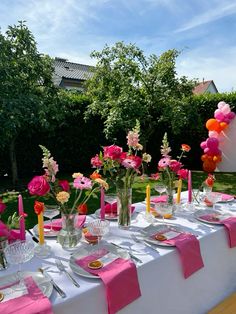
(175, 165)
(38, 186)
(2, 206)
(112, 152)
(183, 174)
(164, 162)
(64, 184)
(82, 183)
(96, 162)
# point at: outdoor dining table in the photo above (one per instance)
(163, 286)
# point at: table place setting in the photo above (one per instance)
(115, 271)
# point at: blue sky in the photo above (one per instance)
(203, 30)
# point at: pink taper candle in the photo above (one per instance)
(189, 187)
(102, 204)
(22, 218)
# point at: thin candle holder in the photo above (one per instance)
(42, 250)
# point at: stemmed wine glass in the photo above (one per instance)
(160, 188)
(18, 253)
(213, 198)
(164, 209)
(50, 212)
(99, 228)
(111, 199)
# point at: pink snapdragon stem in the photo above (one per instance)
(22, 217)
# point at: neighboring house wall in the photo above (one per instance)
(205, 87)
(211, 89)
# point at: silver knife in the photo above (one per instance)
(131, 255)
(55, 286)
(143, 241)
(61, 267)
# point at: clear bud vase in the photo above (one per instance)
(69, 235)
(124, 202)
(170, 198)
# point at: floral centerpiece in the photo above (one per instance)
(121, 167)
(171, 170)
(69, 199)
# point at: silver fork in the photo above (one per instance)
(143, 242)
(62, 268)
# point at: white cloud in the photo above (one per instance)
(212, 14)
(199, 64)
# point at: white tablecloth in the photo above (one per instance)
(164, 289)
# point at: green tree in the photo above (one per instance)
(25, 86)
(127, 86)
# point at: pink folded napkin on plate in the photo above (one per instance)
(57, 223)
(230, 226)
(112, 208)
(119, 277)
(189, 249)
(31, 303)
(159, 199)
(225, 197)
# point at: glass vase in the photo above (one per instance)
(69, 235)
(3, 260)
(124, 202)
(170, 197)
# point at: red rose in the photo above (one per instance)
(183, 174)
(96, 161)
(64, 184)
(175, 165)
(210, 180)
(38, 207)
(112, 152)
(185, 147)
(38, 186)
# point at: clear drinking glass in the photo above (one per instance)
(51, 211)
(160, 188)
(111, 199)
(213, 198)
(163, 209)
(18, 253)
(99, 228)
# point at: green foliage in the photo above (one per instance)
(127, 86)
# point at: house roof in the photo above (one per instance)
(202, 87)
(70, 70)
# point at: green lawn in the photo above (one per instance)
(224, 182)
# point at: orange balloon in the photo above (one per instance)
(213, 125)
(204, 157)
(223, 125)
(217, 158)
(209, 166)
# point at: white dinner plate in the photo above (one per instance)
(42, 282)
(202, 212)
(85, 251)
(47, 234)
(152, 229)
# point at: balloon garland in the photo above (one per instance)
(212, 154)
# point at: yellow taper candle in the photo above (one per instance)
(40, 228)
(179, 191)
(148, 198)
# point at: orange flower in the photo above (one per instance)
(82, 209)
(95, 175)
(38, 207)
(185, 147)
(210, 180)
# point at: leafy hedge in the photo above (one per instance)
(74, 141)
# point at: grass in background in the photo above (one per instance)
(225, 182)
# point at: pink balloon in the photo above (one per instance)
(230, 115)
(226, 120)
(206, 150)
(219, 115)
(203, 145)
(212, 143)
(213, 152)
(213, 134)
(221, 104)
(225, 109)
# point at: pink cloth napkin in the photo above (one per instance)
(225, 197)
(159, 199)
(56, 224)
(230, 226)
(189, 249)
(113, 208)
(34, 302)
(119, 277)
